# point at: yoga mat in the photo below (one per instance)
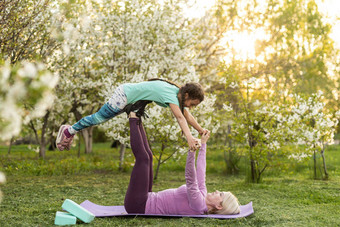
(113, 211)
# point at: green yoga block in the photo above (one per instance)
(62, 218)
(78, 211)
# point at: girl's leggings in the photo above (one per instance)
(109, 110)
(142, 174)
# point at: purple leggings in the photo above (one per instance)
(142, 173)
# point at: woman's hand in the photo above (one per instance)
(205, 136)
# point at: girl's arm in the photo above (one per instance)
(192, 121)
(184, 126)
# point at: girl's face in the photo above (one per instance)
(191, 103)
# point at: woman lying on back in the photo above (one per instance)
(191, 198)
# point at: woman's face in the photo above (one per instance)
(214, 199)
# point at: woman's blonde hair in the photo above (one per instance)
(230, 205)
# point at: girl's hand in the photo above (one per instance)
(194, 144)
(205, 136)
(203, 131)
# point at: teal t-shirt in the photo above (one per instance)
(161, 92)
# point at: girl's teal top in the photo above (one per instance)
(161, 92)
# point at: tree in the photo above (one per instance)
(25, 94)
(293, 52)
(26, 36)
(24, 30)
(150, 40)
(117, 42)
(258, 124)
(317, 126)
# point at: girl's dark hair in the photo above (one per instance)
(194, 90)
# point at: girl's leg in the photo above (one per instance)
(147, 148)
(137, 192)
(105, 113)
(109, 110)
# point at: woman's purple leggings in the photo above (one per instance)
(142, 173)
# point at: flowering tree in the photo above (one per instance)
(25, 94)
(108, 43)
(151, 40)
(77, 61)
(24, 30)
(265, 125)
(25, 36)
(317, 126)
(290, 51)
(258, 124)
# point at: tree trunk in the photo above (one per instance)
(314, 159)
(42, 150)
(228, 157)
(252, 167)
(324, 163)
(87, 135)
(10, 145)
(159, 162)
(52, 142)
(78, 155)
(253, 171)
(121, 156)
(42, 140)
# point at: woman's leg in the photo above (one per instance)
(109, 110)
(147, 148)
(137, 192)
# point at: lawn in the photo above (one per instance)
(35, 189)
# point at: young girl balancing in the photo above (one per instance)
(191, 198)
(163, 93)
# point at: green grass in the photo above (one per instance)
(35, 189)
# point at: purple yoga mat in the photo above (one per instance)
(112, 211)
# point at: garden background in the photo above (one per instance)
(270, 70)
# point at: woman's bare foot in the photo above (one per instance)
(132, 115)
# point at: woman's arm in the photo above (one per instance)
(184, 126)
(201, 163)
(192, 121)
(195, 197)
(201, 169)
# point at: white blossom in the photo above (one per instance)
(14, 93)
(2, 178)
(299, 157)
(233, 85)
(257, 103)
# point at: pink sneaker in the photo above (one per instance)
(62, 141)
